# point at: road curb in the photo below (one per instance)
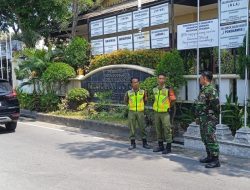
(100, 126)
(94, 125)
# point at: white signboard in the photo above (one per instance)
(159, 14)
(110, 44)
(125, 42)
(160, 38)
(187, 35)
(97, 47)
(233, 10)
(124, 22)
(232, 36)
(141, 19)
(109, 25)
(141, 40)
(96, 28)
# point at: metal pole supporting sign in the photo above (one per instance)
(219, 58)
(246, 70)
(198, 51)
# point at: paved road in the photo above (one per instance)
(41, 156)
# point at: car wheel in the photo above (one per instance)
(11, 126)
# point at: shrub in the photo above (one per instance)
(172, 65)
(35, 102)
(115, 114)
(243, 60)
(63, 105)
(186, 114)
(146, 58)
(57, 73)
(227, 61)
(77, 53)
(77, 97)
(232, 114)
(49, 102)
(27, 101)
(148, 85)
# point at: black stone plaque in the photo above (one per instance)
(116, 80)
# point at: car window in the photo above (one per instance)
(5, 87)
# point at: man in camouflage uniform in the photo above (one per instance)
(207, 110)
(135, 99)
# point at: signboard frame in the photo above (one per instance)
(207, 38)
(127, 26)
(99, 31)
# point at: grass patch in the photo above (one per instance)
(69, 114)
(110, 117)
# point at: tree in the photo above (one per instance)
(79, 6)
(34, 65)
(34, 18)
(77, 53)
(172, 65)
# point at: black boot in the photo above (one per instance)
(159, 148)
(207, 159)
(214, 163)
(145, 144)
(133, 145)
(168, 149)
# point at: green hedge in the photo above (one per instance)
(38, 102)
(58, 72)
(145, 58)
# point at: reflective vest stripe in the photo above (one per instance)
(161, 103)
(136, 101)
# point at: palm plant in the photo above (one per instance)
(232, 114)
(32, 67)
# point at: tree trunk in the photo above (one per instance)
(75, 10)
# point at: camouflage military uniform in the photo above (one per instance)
(207, 110)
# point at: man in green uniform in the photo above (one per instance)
(164, 97)
(207, 110)
(135, 99)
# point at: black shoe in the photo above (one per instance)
(168, 149)
(215, 163)
(159, 148)
(133, 145)
(145, 144)
(207, 159)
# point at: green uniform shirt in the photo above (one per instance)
(208, 101)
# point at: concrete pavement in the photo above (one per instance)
(43, 156)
